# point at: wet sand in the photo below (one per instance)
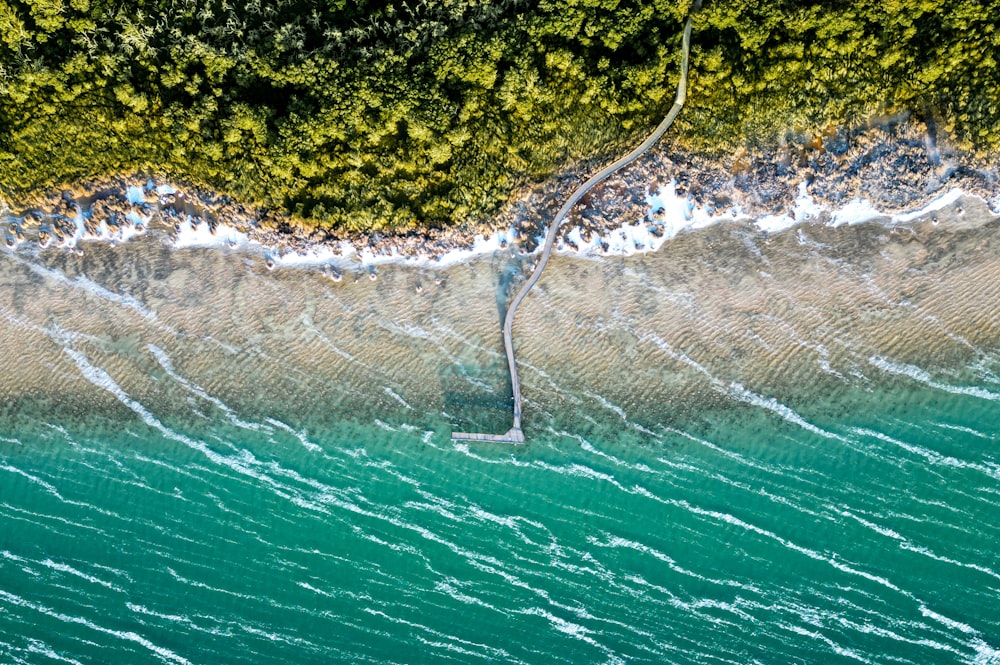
(661, 336)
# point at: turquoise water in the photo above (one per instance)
(781, 450)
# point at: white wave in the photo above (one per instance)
(736, 390)
(950, 623)
(435, 507)
(985, 654)
(480, 246)
(777, 407)
(931, 456)
(679, 356)
(168, 367)
(70, 570)
(943, 559)
(386, 426)
(164, 654)
(482, 562)
(674, 214)
(313, 257)
(816, 635)
(40, 518)
(85, 283)
(119, 234)
(451, 588)
(114, 571)
(587, 446)
(966, 430)
(943, 201)
(694, 607)
(731, 454)
(618, 542)
(881, 530)
(311, 327)
(202, 235)
(451, 642)
(364, 257)
(309, 587)
(566, 627)
(417, 332)
(48, 487)
(391, 393)
(923, 377)
(611, 541)
(244, 463)
(805, 209)
(835, 562)
(172, 618)
(207, 587)
(454, 334)
(42, 649)
(582, 471)
(668, 213)
(855, 211)
(274, 637)
(24, 563)
(906, 544)
(607, 405)
(300, 435)
(880, 631)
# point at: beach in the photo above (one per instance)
(786, 435)
(816, 298)
(748, 437)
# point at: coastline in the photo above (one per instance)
(728, 316)
(892, 170)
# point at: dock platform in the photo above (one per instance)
(513, 435)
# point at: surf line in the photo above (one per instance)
(515, 434)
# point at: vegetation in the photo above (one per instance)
(366, 115)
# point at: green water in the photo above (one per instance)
(203, 462)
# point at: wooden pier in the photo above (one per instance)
(514, 434)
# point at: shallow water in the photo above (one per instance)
(742, 448)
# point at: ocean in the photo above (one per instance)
(745, 447)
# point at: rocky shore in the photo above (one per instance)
(894, 163)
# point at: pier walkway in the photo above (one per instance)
(514, 434)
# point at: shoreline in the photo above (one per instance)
(820, 305)
(894, 171)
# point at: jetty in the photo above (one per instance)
(515, 434)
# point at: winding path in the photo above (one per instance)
(514, 434)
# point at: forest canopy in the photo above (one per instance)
(366, 115)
